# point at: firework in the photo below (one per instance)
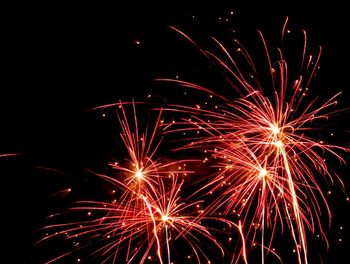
(8, 155)
(137, 229)
(149, 215)
(270, 164)
(269, 168)
(141, 171)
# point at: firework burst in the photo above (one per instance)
(270, 169)
(149, 216)
(141, 170)
(263, 143)
(143, 227)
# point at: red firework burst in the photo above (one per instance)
(269, 162)
(137, 229)
(149, 216)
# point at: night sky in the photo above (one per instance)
(60, 60)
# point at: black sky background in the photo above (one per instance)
(59, 60)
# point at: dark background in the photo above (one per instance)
(59, 61)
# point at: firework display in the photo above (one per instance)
(261, 171)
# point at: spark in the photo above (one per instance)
(263, 173)
(275, 129)
(279, 144)
(139, 174)
(165, 218)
